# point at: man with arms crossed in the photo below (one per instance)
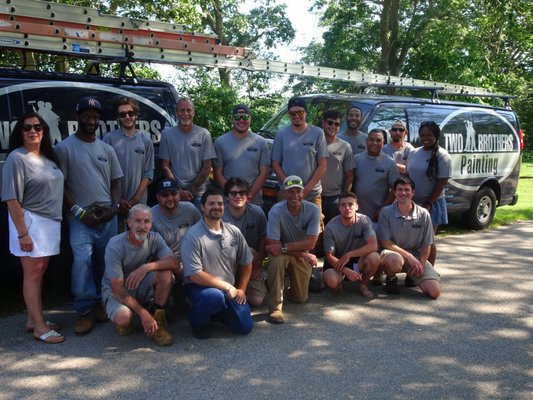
(138, 267)
(216, 267)
(351, 247)
(292, 231)
(242, 153)
(186, 151)
(251, 221)
(406, 234)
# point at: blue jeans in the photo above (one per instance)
(88, 248)
(211, 303)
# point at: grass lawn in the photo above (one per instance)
(522, 211)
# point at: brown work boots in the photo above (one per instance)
(162, 336)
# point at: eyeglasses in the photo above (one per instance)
(36, 128)
(123, 114)
(241, 117)
(234, 193)
(330, 122)
(397, 129)
(297, 112)
(166, 194)
(288, 184)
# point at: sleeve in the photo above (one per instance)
(149, 163)
(273, 224)
(116, 170)
(13, 179)
(261, 222)
(61, 156)
(393, 172)
(219, 151)
(277, 147)
(348, 162)
(314, 223)
(209, 149)
(244, 255)
(322, 146)
(383, 232)
(265, 153)
(190, 255)
(164, 151)
(161, 249)
(368, 230)
(113, 261)
(445, 165)
(329, 240)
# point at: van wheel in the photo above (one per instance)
(482, 209)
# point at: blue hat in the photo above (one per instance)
(166, 185)
(296, 102)
(88, 103)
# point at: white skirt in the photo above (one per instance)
(44, 232)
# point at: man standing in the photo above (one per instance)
(399, 149)
(374, 175)
(242, 153)
(406, 235)
(351, 247)
(138, 268)
(292, 231)
(135, 153)
(172, 218)
(216, 266)
(186, 151)
(92, 194)
(339, 171)
(352, 134)
(300, 149)
(251, 221)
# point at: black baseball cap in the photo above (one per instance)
(166, 185)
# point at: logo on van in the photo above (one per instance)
(481, 143)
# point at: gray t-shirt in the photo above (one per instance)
(89, 169)
(340, 239)
(219, 254)
(122, 258)
(340, 160)
(135, 155)
(186, 152)
(373, 177)
(417, 165)
(298, 153)
(35, 182)
(252, 224)
(287, 228)
(358, 142)
(398, 155)
(242, 157)
(410, 233)
(173, 228)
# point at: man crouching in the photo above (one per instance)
(132, 278)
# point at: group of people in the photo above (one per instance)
(347, 194)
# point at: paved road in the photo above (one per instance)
(475, 342)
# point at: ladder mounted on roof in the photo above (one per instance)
(83, 32)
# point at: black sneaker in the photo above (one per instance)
(200, 332)
(409, 282)
(377, 280)
(391, 286)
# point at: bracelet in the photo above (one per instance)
(78, 211)
(24, 234)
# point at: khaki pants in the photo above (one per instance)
(299, 273)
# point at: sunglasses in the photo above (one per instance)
(241, 117)
(36, 128)
(234, 193)
(330, 122)
(288, 184)
(297, 112)
(397, 129)
(123, 114)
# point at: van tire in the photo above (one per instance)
(482, 209)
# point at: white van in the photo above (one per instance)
(484, 143)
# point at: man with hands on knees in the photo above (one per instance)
(292, 231)
(217, 264)
(139, 267)
(350, 246)
(406, 235)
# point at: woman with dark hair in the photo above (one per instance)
(429, 166)
(32, 187)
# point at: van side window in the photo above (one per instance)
(384, 117)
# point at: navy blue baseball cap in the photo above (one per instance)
(167, 185)
(88, 103)
(296, 102)
(241, 107)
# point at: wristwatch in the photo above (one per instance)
(283, 249)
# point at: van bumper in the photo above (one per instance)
(514, 200)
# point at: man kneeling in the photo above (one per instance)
(406, 234)
(132, 279)
(351, 247)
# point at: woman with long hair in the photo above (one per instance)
(32, 187)
(429, 166)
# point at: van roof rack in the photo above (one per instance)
(84, 32)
